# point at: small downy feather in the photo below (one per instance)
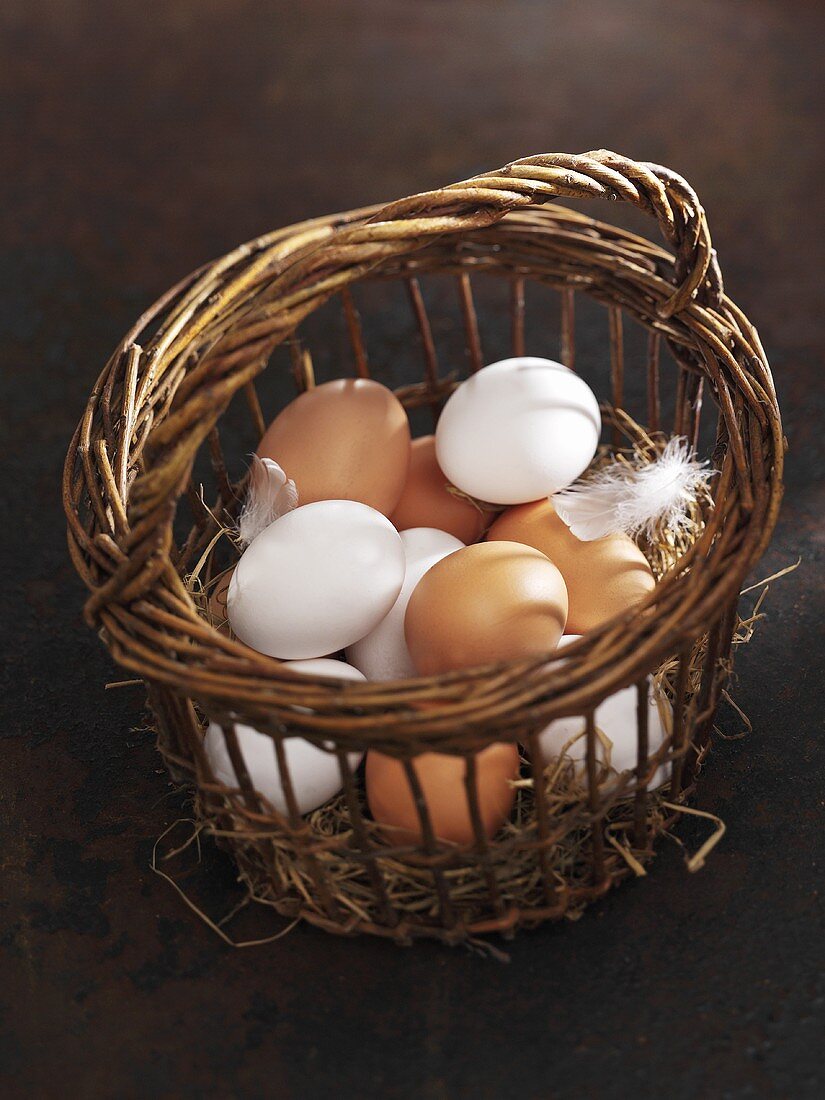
(269, 496)
(635, 500)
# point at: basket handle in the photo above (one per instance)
(534, 181)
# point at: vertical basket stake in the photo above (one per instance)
(255, 410)
(479, 835)
(356, 334)
(642, 765)
(678, 734)
(696, 398)
(296, 827)
(430, 846)
(593, 799)
(225, 491)
(707, 692)
(302, 369)
(542, 816)
(616, 366)
(427, 343)
(654, 343)
(679, 409)
(239, 767)
(362, 839)
(517, 315)
(567, 349)
(468, 312)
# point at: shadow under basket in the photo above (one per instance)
(164, 435)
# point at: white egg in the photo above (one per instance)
(315, 774)
(518, 430)
(383, 653)
(325, 666)
(316, 580)
(616, 720)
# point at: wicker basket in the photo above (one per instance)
(158, 408)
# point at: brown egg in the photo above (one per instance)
(486, 603)
(442, 782)
(218, 614)
(427, 502)
(603, 577)
(343, 440)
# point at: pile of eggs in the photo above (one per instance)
(382, 562)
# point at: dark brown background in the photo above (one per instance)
(141, 139)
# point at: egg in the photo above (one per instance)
(442, 782)
(426, 500)
(315, 774)
(383, 653)
(343, 440)
(518, 430)
(316, 580)
(486, 603)
(603, 577)
(616, 720)
(326, 666)
(218, 615)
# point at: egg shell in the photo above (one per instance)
(604, 577)
(343, 440)
(518, 430)
(486, 603)
(316, 580)
(427, 501)
(616, 719)
(330, 667)
(442, 782)
(218, 614)
(315, 774)
(383, 653)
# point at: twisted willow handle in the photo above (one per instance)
(222, 324)
(533, 181)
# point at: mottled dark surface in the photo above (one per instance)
(140, 140)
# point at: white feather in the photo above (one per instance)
(635, 500)
(270, 495)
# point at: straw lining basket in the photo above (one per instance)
(157, 408)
